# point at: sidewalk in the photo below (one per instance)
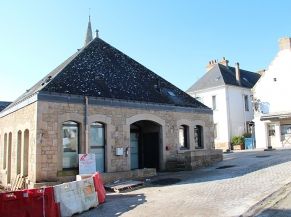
(277, 204)
(229, 188)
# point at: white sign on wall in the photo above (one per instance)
(87, 163)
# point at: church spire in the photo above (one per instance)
(88, 36)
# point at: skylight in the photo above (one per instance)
(245, 79)
(171, 93)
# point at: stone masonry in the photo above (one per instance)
(44, 121)
(15, 124)
(117, 120)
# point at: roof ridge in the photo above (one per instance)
(219, 65)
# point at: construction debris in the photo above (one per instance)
(123, 186)
(18, 183)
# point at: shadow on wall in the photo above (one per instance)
(275, 213)
(125, 203)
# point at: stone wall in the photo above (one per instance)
(44, 120)
(52, 115)
(18, 124)
(205, 158)
(222, 145)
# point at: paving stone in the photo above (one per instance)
(208, 191)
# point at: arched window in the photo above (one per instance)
(97, 144)
(18, 159)
(1, 149)
(70, 132)
(9, 151)
(5, 151)
(184, 137)
(198, 136)
(25, 153)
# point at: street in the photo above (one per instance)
(229, 188)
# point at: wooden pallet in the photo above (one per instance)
(123, 186)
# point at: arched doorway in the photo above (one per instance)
(19, 158)
(9, 152)
(25, 153)
(145, 144)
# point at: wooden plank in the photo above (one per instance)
(14, 185)
(122, 186)
(20, 183)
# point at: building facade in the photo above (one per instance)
(227, 90)
(272, 106)
(103, 102)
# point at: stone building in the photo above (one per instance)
(101, 101)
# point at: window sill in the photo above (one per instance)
(183, 150)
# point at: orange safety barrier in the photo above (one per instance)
(99, 187)
(29, 203)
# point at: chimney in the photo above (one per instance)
(210, 65)
(237, 73)
(97, 33)
(224, 62)
(285, 43)
(261, 72)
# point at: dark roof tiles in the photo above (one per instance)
(3, 105)
(100, 70)
(224, 75)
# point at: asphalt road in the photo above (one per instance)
(229, 188)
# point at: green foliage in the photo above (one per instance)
(237, 140)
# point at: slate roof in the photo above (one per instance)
(222, 75)
(100, 70)
(3, 105)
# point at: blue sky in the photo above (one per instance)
(173, 38)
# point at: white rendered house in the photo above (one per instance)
(227, 90)
(272, 101)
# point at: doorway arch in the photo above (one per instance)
(145, 145)
(155, 120)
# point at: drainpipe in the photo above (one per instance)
(86, 125)
(228, 117)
